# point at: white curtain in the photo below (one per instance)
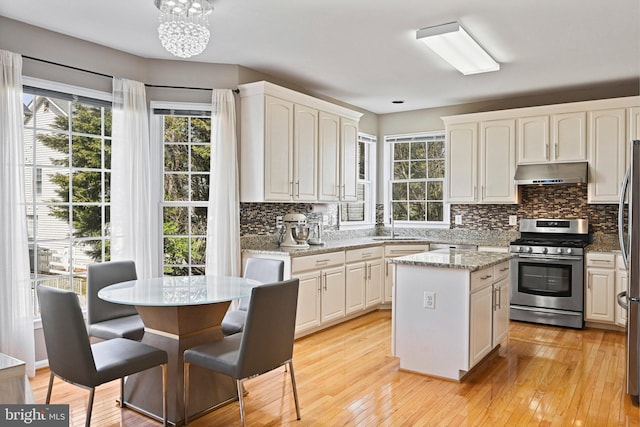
(16, 311)
(132, 233)
(223, 220)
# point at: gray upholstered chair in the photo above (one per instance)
(263, 270)
(265, 344)
(108, 320)
(75, 360)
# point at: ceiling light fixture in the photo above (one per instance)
(458, 48)
(183, 26)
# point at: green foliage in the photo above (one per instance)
(85, 186)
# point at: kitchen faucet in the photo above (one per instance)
(393, 228)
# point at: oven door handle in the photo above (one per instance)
(555, 258)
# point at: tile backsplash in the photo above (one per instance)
(547, 201)
(544, 201)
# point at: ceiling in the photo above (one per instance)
(365, 53)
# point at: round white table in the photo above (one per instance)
(179, 313)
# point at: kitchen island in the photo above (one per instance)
(450, 310)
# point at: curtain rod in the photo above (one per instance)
(110, 77)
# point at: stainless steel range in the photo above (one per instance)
(547, 275)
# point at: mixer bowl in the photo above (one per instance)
(300, 233)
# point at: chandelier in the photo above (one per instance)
(183, 26)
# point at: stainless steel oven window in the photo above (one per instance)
(545, 279)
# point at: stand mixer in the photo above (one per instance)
(296, 231)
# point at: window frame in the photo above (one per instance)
(80, 94)
(389, 140)
(157, 169)
(369, 205)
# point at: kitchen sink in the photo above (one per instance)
(397, 238)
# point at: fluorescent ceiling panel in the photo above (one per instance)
(458, 48)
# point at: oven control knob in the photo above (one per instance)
(569, 250)
(520, 249)
(530, 249)
(559, 250)
(545, 250)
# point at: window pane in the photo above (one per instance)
(87, 187)
(418, 169)
(200, 158)
(55, 187)
(435, 211)
(176, 187)
(176, 129)
(176, 250)
(417, 191)
(199, 221)
(434, 190)
(401, 151)
(399, 211)
(107, 122)
(436, 168)
(176, 220)
(176, 158)
(399, 191)
(418, 150)
(52, 149)
(51, 113)
(200, 129)
(107, 153)
(200, 188)
(416, 211)
(86, 119)
(198, 248)
(362, 160)
(436, 150)
(87, 221)
(86, 253)
(401, 170)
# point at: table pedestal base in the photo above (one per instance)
(175, 329)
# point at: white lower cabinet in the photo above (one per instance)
(394, 251)
(488, 310)
(321, 296)
(600, 292)
(364, 278)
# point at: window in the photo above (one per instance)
(186, 142)
(67, 146)
(417, 178)
(362, 210)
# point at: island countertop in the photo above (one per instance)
(458, 259)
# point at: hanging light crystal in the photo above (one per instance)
(183, 26)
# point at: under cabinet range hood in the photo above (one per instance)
(551, 173)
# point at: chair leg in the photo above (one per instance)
(122, 392)
(295, 389)
(165, 409)
(49, 388)
(186, 392)
(241, 401)
(87, 421)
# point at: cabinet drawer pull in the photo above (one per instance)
(322, 261)
(485, 277)
(366, 254)
(504, 269)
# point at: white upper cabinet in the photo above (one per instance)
(607, 147)
(462, 159)
(278, 149)
(293, 146)
(633, 122)
(305, 151)
(552, 138)
(497, 161)
(349, 159)
(533, 140)
(329, 155)
(568, 137)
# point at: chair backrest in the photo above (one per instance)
(269, 331)
(105, 274)
(65, 335)
(263, 270)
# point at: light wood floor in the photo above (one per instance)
(545, 376)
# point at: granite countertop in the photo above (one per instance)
(603, 247)
(271, 247)
(458, 259)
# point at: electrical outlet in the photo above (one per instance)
(430, 300)
(513, 219)
(458, 219)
